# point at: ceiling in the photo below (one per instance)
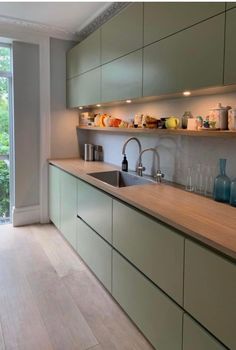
(64, 17)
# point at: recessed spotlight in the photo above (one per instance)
(186, 93)
(81, 107)
(128, 101)
(98, 105)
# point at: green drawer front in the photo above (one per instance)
(163, 19)
(196, 338)
(95, 252)
(210, 291)
(69, 207)
(158, 318)
(54, 195)
(185, 61)
(155, 249)
(95, 208)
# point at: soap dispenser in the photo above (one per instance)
(124, 163)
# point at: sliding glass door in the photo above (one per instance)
(5, 131)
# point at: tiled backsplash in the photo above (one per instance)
(177, 153)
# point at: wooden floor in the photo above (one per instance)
(49, 300)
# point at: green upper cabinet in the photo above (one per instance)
(84, 89)
(230, 48)
(54, 195)
(210, 291)
(163, 19)
(95, 208)
(123, 33)
(154, 248)
(68, 207)
(122, 78)
(197, 338)
(230, 5)
(84, 56)
(190, 59)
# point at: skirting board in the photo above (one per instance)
(26, 215)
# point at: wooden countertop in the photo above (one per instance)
(208, 221)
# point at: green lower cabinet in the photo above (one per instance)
(230, 48)
(95, 208)
(190, 59)
(95, 252)
(54, 195)
(210, 291)
(156, 249)
(159, 318)
(197, 338)
(68, 207)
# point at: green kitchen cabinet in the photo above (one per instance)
(84, 89)
(197, 338)
(190, 59)
(95, 208)
(164, 19)
(84, 56)
(230, 48)
(123, 33)
(95, 252)
(68, 199)
(230, 5)
(122, 78)
(159, 318)
(210, 291)
(54, 195)
(156, 249)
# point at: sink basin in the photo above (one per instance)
(120, 178)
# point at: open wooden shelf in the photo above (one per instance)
(208, 133)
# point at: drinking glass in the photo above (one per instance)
(189, 186)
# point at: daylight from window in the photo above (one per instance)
(5, 88)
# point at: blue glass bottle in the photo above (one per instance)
(233, 193)
(222, 184)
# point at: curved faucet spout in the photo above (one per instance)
(159, 175)
(131, 139)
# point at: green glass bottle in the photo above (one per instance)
(222, 184)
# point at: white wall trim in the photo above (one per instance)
(26, 215)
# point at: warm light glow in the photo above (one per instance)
(98, 105)
(128, 101)
(80, 107)
(186, 93)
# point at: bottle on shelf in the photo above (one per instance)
(233, 193)
(222, 184)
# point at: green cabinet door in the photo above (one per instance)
(190, 59)
(122, 78)
(84, 89)
(230, 5)
(95, 208)
(95, 252)
(210, 291)
(230, 48)
(156, 250)
(54, 195)
(163, 19)
(84, 56)
(68, 207)
(123, 33)
(197, 338)
(159, 318)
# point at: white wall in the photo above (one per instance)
(177, 153)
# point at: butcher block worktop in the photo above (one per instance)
(202, 218)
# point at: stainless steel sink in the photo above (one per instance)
(120, 178)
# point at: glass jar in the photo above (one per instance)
(222, 184)
(233, 193)
(185, 118)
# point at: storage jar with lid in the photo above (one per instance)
(219, 116)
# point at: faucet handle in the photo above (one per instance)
(159, 175)
(140, 169)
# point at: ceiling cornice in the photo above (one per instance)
(39, 28)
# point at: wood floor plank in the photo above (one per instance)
(22, 326)
(112, 328)
(61, 255)
(65, 324)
